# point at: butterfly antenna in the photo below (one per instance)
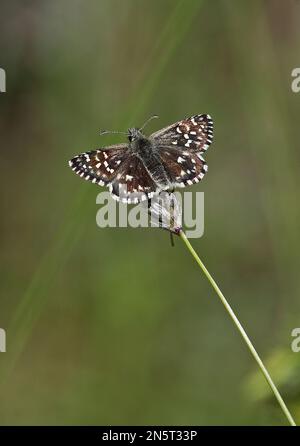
(105, 132)
(148, 120)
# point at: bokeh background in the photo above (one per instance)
(114, 326)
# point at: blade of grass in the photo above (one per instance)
(240, 329)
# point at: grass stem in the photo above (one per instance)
(240, 329)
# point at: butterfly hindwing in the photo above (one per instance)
(184, 168)
(133, 182)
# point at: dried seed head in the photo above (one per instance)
(166, 212)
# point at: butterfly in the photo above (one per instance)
(144, 166)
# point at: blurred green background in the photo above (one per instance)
(113, 326)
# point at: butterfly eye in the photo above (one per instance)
(132, 134)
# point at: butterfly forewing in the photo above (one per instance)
(194, 134)
(100, 166)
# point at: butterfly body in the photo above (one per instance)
(169, 158)
(148, 152)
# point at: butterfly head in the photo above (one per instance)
(134, 134)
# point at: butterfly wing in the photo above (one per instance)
(119, 169)
(133, 183)
(183, 168)
(194, 134)
(100, 166)
(181, 146)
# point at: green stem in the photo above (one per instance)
(240, 329)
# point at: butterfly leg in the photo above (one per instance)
(172, 239)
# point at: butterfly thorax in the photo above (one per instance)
(147, 152)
